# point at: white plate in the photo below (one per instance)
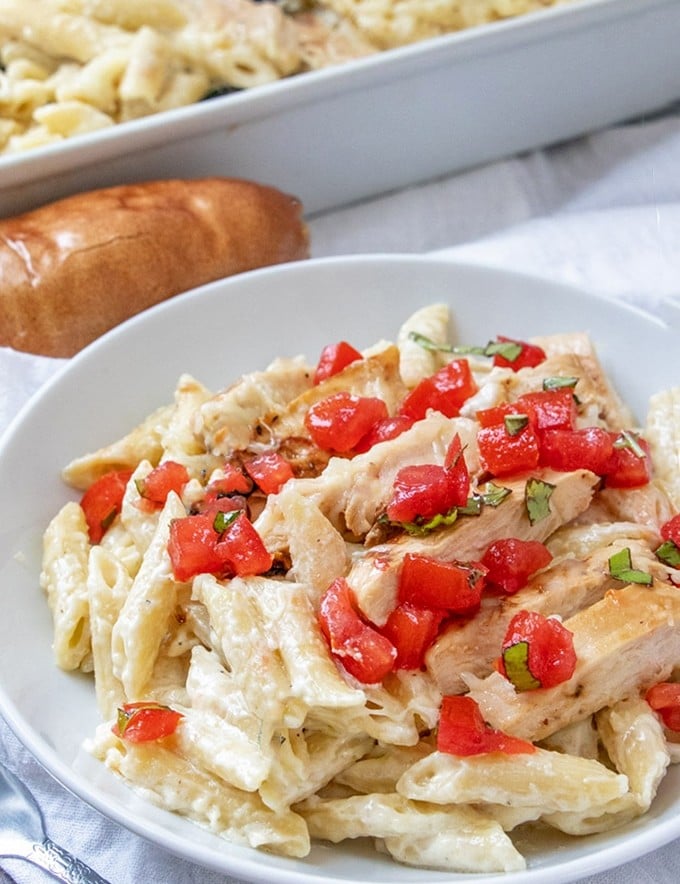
(372, 125)
(215, 333)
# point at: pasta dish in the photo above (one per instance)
(425, 593)
(74, 66)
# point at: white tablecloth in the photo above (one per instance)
(602, 212)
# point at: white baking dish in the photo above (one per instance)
(338, 135)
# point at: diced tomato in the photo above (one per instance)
(496, 414)
(196, 547)
(529, 355)
(454, 459)
(335, 357)
(412, 629)
(233, 481)
(670, 530)
(270, 471)
(241, 547)
(544, 409)
(664, 698)
(166, 477)
(538, 652)
(502, 453)
(362, 650)
(430, 583)
(226, 493)
(102, 502)
(444, 391)
(549, 409)
(510, 562)
(463, 731)
(192, 547)
(145, 722)
(214, 504)
(340, 421)
(627, 469)
(422, 491)
(589, 448)
(384, 430)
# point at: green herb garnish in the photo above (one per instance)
(621, 568)
(516, 662)
(441, 520)
(537, 494)
(472, 508)
(559, 383)
(515, 423)
(492, 494)
(459, 349)
(627, 439)
(669, 554)
(509, 350)
(223, 521)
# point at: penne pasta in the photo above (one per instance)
(287, 645)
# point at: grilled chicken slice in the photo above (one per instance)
(594, 389)
(566, 587)
(376, 375)
(351, 493)
(569, 355)
(649, 506)
(228, 420)
(624, 644)
(374, 576)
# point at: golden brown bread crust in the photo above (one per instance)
(73, 269)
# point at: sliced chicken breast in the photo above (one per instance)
(374, 576)
(568, 586)
(624, 644)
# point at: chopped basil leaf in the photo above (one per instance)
(439, 521)
(630, 440)
(122, 720)
(493, 495)
(515, 423)
(488, 494)
(537, 494)
(621, 568)
(428, 344)
(516, 662)
(559, 383)
(472, 508)
(223, 521)
(509, 350)
(621, 560)
(634, 576)
(669, 554)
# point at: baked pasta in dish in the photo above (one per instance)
(74, 66)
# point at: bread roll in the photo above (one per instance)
(73, 269)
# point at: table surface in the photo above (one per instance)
(601, 212)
